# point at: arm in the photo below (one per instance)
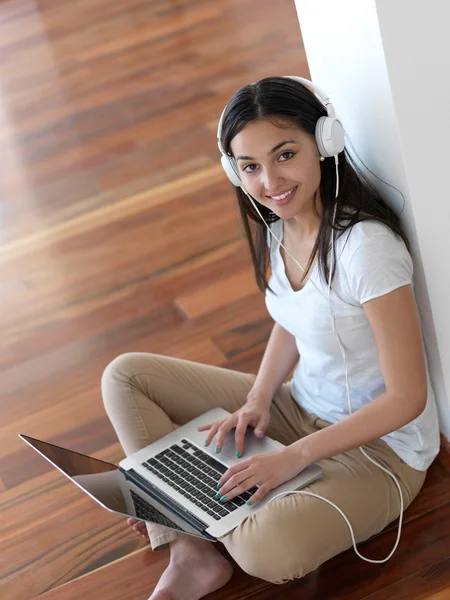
(396, 328)
(280, 356)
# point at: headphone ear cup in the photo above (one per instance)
(228, 167)
(329, 136)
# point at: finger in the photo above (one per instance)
(261, 427)
(212, 432)
(259, 495)
(230, 491)
(132, 521)
(223, 430)
(204, 427)
(245, 464)
(240, 435)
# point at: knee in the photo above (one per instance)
(117, 372)
(269, 552)
(115, 368)
(117, 365)
(258, 560)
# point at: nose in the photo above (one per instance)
(270, 179)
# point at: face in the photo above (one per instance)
(275, 161)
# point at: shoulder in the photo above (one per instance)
(366, 237)
(374, 261)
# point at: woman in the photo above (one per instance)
(268, 129)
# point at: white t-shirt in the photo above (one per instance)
(371, 261)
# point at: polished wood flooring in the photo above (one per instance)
(119, 232)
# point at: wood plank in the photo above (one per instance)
(217, 294)
(44, 330)
(238, 340)
(92, 220)
(428, 584)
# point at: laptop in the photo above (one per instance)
(173, 481)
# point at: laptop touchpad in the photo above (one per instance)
(252, 444)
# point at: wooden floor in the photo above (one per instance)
(119, 232)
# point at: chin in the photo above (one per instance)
(287, 211)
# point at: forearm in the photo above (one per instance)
(382, 416)
(280, 357)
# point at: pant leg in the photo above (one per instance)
(293, 535)
(145, 394)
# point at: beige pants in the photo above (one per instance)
(145, 394)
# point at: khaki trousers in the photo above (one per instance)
(145, 394)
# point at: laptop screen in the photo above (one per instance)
(98, 478)
(107, 484)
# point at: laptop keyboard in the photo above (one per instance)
(146, 511)
(195, 474)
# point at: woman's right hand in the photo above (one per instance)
(255, 412)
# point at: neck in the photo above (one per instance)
(306, 226)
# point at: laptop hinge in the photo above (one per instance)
(157, 494)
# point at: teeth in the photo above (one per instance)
(283, 195)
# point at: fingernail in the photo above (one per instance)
(223, 499)
(218, 486)
(217, 495)
(205, 443)
(217, 449)
(238, 453)
(249, 502)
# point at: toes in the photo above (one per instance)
(139, 526)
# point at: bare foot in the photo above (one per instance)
(196, 569)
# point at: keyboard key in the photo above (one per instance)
(238, 501)
(216, 465)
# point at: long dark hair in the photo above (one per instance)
(357, 200)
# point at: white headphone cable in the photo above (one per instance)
(341, 347)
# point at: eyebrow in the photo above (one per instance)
(274, 149)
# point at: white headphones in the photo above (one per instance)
(330, 142)
(329, 133)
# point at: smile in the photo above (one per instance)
(284, 198)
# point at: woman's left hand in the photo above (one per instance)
(267, 470)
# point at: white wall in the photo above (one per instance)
(369, 55)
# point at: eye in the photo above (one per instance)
(291, 154)
(249, 170)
